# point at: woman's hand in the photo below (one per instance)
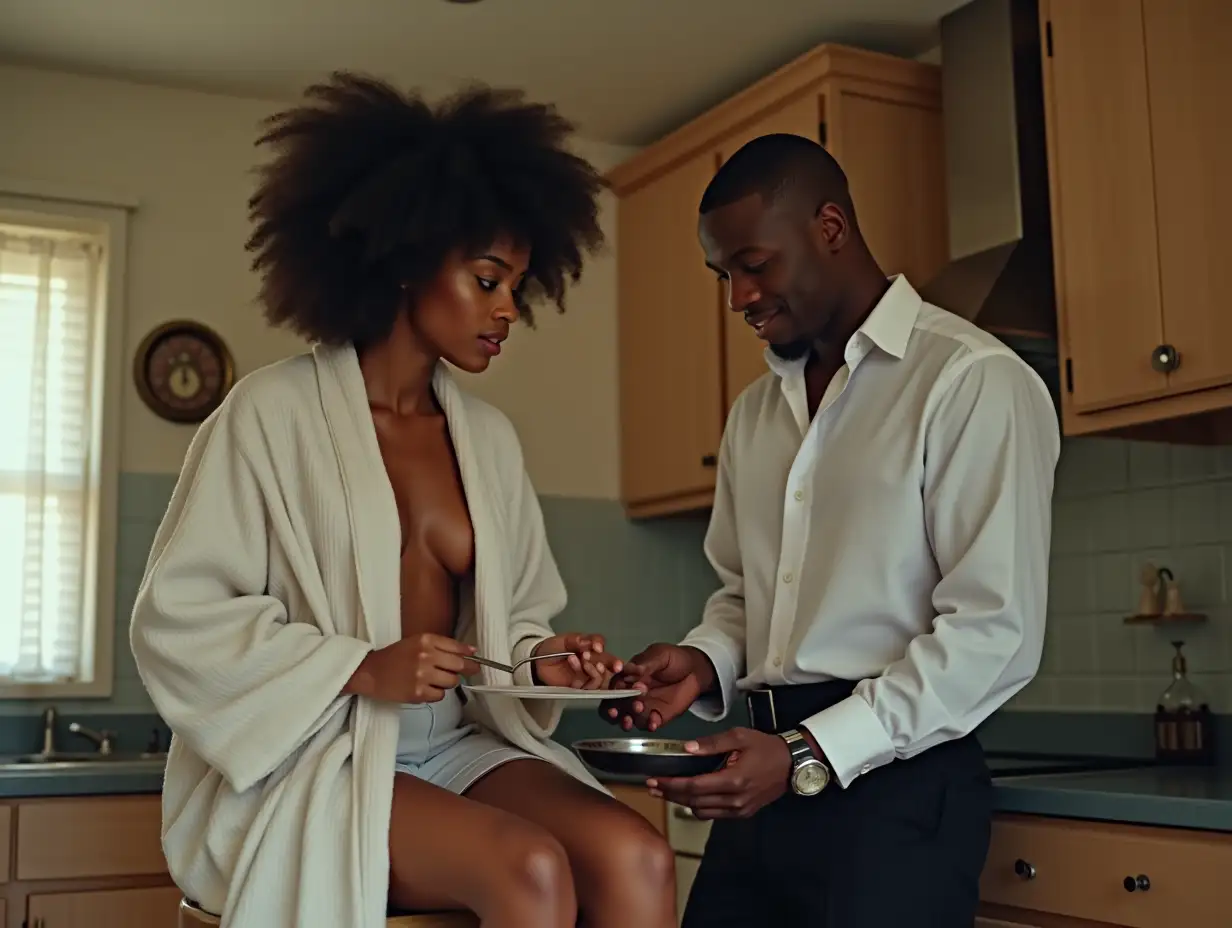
(589, 667)
(418, 669)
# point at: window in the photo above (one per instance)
(57, 448)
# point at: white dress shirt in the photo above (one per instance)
(900, 538)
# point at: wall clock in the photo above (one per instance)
(183, 370)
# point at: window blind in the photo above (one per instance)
(49, 301)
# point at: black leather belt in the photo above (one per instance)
(776, 709)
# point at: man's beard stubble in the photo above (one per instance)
(793, 350)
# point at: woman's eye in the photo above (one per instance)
(487, 284)
(754, 268)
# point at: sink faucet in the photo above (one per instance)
(102, 739)
(49, 730)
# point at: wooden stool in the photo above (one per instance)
(192, 916)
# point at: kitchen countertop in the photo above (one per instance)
(1171, 797)
(32, 782)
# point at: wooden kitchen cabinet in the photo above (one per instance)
(1018, 919)
(684, 357)
(638, 799)
(1139, 198)
(114, 908)
(670, 375)
(1059, 873)
(6, 840)
(65, 839)
(89, 862)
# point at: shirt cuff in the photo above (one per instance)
(715, 706)
(524, 675)
(852, 738)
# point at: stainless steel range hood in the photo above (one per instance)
(1000, 274)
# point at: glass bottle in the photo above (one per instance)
(1183, 719)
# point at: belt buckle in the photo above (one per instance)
(767, 700)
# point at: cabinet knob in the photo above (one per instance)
(1165, 358)
(710, 460)
(1139, 883)
(1024, 869)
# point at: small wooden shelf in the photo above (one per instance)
(1180, 618)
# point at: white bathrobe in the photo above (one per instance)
(275, 570)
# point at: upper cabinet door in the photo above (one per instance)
(744, 352)
(1190, 84)
(894, 158)
(1104, 199)
(671, 415)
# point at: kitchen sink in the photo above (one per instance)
(86, 760)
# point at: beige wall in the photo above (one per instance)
(185, 159)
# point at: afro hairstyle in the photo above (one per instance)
(370, 190)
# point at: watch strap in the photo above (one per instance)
(799, 747)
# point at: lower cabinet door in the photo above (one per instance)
(157, 907)
(686, 870)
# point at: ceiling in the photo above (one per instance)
(626, 71)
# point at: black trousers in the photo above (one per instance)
(902, 845)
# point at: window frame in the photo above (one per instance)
(33, 206)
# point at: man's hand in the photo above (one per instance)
(757, 772)
(671, 678)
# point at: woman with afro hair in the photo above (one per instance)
(349, 527)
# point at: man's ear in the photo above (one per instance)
(829, 227)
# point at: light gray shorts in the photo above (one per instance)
(435, 745)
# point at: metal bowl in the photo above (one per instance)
(645, 757)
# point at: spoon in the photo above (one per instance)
(488, 662)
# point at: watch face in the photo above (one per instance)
(810, 779)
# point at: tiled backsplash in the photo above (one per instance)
(636, 582)
(1117, 504)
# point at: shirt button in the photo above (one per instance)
(799, 494)
(778, 662)
(787, 578)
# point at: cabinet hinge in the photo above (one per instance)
(1048, 37)
(1069, 376)
(821, 133)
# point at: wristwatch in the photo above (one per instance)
(809, 776)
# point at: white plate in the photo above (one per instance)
(548, 692)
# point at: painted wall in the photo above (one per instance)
(186, 158)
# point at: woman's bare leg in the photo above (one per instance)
(624, 870)
(449, 852)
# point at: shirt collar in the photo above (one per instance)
(887, 327)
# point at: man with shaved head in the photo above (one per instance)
(881, 533)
